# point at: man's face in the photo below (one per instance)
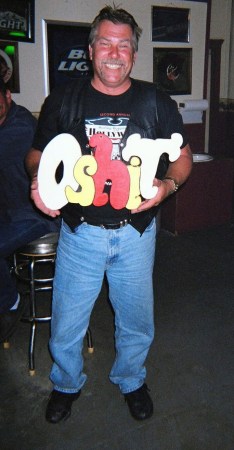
(113, 56)
(4, 105)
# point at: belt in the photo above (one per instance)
(106, 226)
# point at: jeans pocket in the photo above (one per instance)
(151, 225)
(66, 229)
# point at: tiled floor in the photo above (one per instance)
(190, 365)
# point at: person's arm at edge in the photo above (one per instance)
(32, 162)
(178, 170)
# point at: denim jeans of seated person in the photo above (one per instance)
(14, 235)
(83, 257)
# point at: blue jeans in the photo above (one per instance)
(83, 257)
(12, 236)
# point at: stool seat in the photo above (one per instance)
(45, 245)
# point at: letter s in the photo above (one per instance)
(83, 171)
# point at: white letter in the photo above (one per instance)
(63, 148)
(149, 151)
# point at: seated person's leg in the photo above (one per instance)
(8, 290)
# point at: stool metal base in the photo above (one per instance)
(27, 271)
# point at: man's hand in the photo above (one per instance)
(162, 193)
(178, 170)
(35, 196)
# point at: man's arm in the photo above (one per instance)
(32, 162)
(178, 171)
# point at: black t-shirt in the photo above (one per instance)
(106, 114)
(109, 115)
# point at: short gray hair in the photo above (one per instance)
(117, 16)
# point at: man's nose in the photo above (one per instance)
(114, 51)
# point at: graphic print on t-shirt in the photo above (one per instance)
(112, 125)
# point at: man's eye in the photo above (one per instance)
(122, 46)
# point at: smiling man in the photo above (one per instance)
(98, 240)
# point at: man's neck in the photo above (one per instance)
(110, 90)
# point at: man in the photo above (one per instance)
(100, 239)
(5, 70)
(20, 221)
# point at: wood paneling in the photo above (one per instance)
(205, 200)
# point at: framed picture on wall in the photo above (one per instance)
(172, 70)
(17, 20)
(9, 65)
(170, 24)
(66, 50)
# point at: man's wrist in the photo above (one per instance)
(173, 183)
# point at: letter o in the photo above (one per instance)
(63, 148)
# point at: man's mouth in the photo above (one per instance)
(113, 65)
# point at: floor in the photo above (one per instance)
(190, 365)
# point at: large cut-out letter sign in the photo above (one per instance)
(84, 176)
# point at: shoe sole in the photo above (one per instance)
(63, 419)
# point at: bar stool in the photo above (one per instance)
(34, 265)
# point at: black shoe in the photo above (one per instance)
(59, 406)
(9, 320)
(139, 403)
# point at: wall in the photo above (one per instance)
(231, 57)
(31, 58)
(222, 27)
(222, 23)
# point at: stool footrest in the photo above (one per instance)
(35, 319)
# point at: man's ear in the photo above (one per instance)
(90, 53)
(8, 96)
